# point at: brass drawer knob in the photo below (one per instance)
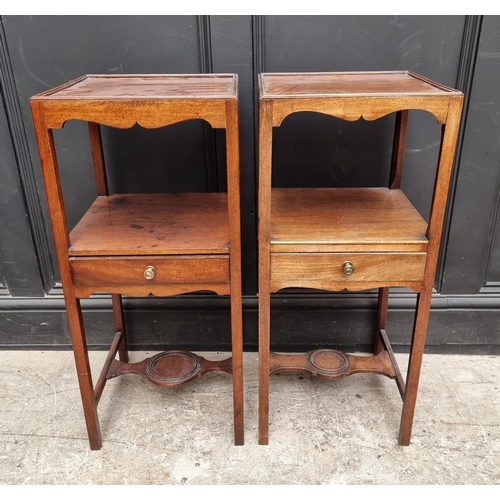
(149, 272)
(348, 268)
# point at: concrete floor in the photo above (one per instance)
(321, 432)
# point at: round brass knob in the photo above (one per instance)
(149, 272)
(348, 268)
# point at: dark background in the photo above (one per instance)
(40, 52)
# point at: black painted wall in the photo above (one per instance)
(40, 52)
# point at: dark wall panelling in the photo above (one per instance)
(176, 322)
(17, 252)
(468, 263)
(457, 325)
(465, 78)
(231, 41)
(490, 64)
(493, 271)
(175, 158)
(206, 66)
(24, 242)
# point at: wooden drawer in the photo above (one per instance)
(128, 271)
(329, 267)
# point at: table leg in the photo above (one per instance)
(414, 364)
(264, 348)
(383, 304)
(120, 326)
(237, 360)
(83, 370)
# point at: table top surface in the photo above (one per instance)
(150, 87)
(350, 84)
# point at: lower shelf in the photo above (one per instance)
(170, 368)
(333, 364)
(166, 369)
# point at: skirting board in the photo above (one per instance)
(299, 322)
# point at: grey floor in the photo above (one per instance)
(324, 432)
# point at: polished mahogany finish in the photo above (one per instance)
(163, 224)
(350, 238)
(171, 368)
(142, 244)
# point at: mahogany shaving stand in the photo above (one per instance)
(350, 238)
(142, 244)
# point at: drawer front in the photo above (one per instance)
(92, 271)
(342, 267)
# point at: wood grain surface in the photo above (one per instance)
(153, 224)
(308, 235)
(110, 274)
(353, 95)
(344, 219)
(151, 101)
(368, 267)
(141, 244)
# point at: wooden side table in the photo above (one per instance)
(348, 238)
(141, 244)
